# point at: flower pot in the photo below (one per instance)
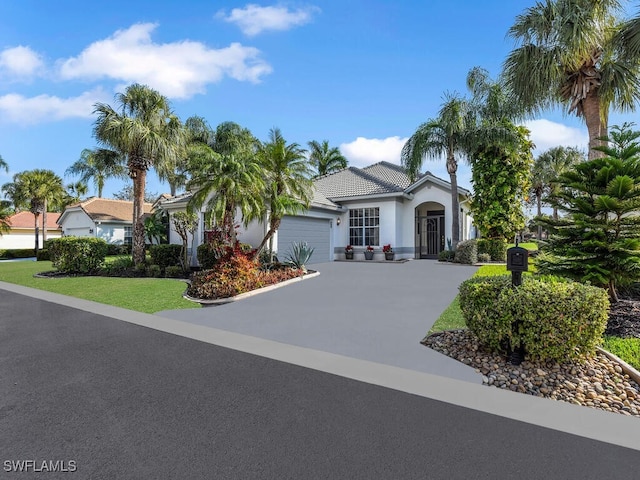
(389, 255)
(348, 255)
(368, 255)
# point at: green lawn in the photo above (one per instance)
(527, 245)
(627, 349)
(148, 295)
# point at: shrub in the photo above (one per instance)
(118, 249)
(554, 319)
(299, 255)
(466, 252)
(118, 267)
(18, 253)
(43, 255)
(154, 271)
(78, 254)
(446, 256)
(496, 248)
(484, 257)
(173, 271)
(165, 255)
(209, 254)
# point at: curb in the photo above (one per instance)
(626, 368)
(222, 301)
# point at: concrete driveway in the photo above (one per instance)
(370, 311)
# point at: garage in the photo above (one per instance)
(315, 231)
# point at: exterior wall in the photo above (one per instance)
(24, 238)
(78, 224)
(110, 232)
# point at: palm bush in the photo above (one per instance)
(299, 255)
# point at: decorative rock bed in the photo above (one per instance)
(598, 383)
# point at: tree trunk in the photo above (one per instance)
(44, 223)
(452, 168)
(539, 201)
(35, 215)
(274, 224)
(172, 189)
(139, 180)
(100, 187)
(595, 125)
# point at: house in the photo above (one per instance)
(375, 205)
(23, 234)
(111, 220)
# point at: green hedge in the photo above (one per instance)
(165, 255)
(446, 256)
(496, 248)
(17, 253)
(467, 252)
(209, 254)
(78, 254)
(554, 319)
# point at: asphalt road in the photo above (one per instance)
(125, 401)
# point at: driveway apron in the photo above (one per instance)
(367, 310)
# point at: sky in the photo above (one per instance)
(361, 74)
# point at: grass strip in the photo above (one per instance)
(147, 295)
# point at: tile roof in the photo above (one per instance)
(27, 220)
(107, 209)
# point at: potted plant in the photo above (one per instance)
(368, 253)
(388, 252)
(348, 252)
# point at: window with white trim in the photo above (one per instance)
(128, 235)
(364, 226)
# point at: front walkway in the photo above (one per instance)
(370, 311)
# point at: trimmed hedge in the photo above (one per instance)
(17, 253)
(496, 248)
(165, 255)
(554, 319)
(466, 252)
(78, 254)
(446, 256)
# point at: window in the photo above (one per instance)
(364, 226)
(128, 235)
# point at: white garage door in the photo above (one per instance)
(315, 231)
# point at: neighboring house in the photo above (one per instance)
(111, 220)
(23, 234)
(376, 205)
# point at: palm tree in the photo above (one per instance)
(555, 162)
(288, 185)
(98, 165)
(567, 55)
(3, 164)
(325, 159)
(444, 135)
(224, 183)
(5, 213)
(75, 191)
(35, 190)
(146, 132)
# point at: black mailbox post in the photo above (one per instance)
(517, 262)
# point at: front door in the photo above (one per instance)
(431, 236)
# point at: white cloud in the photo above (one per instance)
(254, 19)
(546, 134)
(366, 151)
(21, 61)
(178, 69)
(23, 110)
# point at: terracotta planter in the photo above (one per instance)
(368, 255)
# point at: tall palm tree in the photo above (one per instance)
(75, 191)
(325, 159)
(444, 135)
(35, 190)
(288, 185)
(147, 132)
(98, 165)
(567, 55)
(3, 164)
(5, 212)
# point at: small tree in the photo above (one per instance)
(500, 177)
(185, 224)
(599, 239)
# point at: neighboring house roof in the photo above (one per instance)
(382, 178)
(27, 220)
(106, 210)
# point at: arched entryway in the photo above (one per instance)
(430, 233)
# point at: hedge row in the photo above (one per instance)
(17, 253)
(553, 319)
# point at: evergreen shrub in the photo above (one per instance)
(78, 254)
(467, 252)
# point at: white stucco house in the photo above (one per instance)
(22, 233)
(111, 220)
(376, 205)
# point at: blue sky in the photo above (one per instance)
(361, 74)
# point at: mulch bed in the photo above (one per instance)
(624, 319)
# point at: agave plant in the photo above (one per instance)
(299, 255)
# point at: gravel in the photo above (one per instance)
(597, 383)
